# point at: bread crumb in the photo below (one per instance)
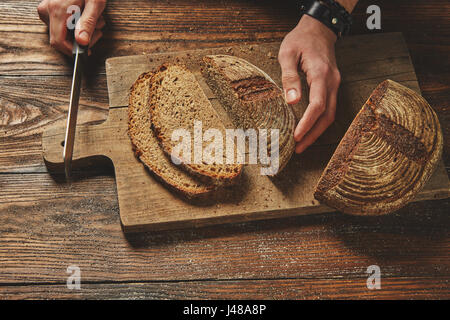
(270, 55)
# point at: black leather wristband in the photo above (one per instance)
(330, 13)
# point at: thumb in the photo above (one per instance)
(86, 24)
(290, 78)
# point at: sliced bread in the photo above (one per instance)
(386, 156)
(147, 148)
(177, 102)
(252, 99)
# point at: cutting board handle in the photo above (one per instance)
(89, 148)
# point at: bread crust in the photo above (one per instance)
(186, 187)
(252, 99)
(386, 156)
(204, 172)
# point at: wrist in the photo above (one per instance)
(313, 26)
(348, 5)
(330, 13)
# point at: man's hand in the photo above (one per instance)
(310, 46)
(87, 30)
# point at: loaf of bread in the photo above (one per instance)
(252, 99)
(178, 102)
(386, 156)
(148, 150)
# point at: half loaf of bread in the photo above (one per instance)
(147, 148)
(386, 156)
(252, 99)
(178, 102)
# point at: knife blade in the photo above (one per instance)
(79, 53)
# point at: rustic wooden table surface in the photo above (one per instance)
(47, 225)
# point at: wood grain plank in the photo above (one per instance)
(341, 243)
(29, 105)
(41, 235)
(284, 289)
(156, 27)
(148, 27)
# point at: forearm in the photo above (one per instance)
(349, 5)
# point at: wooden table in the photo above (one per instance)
(47, 225)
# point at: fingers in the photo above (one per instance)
(317, 106)
(97, 34)
(310, 46)
(324, 121)
(58, 30)
(43, 11)
(86, 25)
(100, 23)
(95, 37)
(288, 60)
(53, 13)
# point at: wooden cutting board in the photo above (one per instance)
(145, 204)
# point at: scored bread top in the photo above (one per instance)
(147, 148)
(386, 156)
(252, 99)
(177, 102)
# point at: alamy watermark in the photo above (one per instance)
(74, 279)
(374, 280)
(230, 149)
(374, 20)
(75, 13)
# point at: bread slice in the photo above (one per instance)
(177, 102)
(386, 156)
(147, 148)
(252, 99)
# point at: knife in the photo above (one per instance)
(79, 53)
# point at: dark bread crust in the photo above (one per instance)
(339, 164)
(254, 88)
(251, 99)
(380, 164)
(402, 139)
